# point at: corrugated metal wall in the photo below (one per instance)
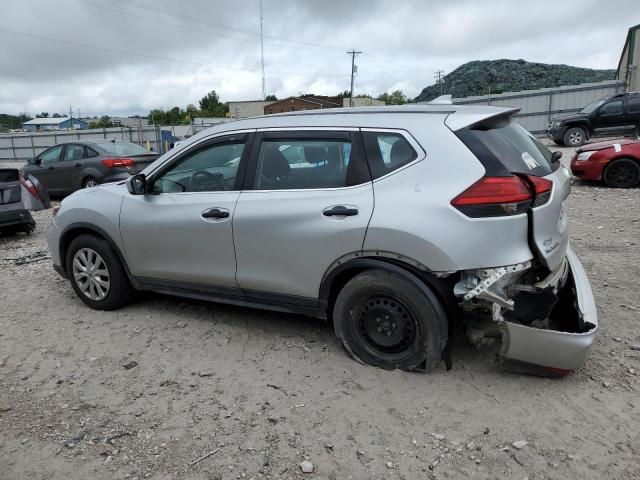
(537, 107)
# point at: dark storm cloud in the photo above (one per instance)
(127, 56)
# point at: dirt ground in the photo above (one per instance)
(150, 390)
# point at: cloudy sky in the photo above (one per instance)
(123, 57)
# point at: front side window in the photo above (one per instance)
(74, 152)
(52, 155)
(612, 108)
(210, 169)
(387, 152)
(293, 164)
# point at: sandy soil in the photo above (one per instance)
(265, 391)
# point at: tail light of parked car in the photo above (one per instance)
(118, 162)
(503, 196)
(28, 184)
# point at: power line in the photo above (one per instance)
(353, 54)
(173, 14)
(167, 59)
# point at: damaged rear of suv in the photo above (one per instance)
(543, 307)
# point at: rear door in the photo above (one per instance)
(69, 168)
(306, 202)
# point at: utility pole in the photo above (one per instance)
(70, 117)
(438, 77)
(353, 54)
(264, 86)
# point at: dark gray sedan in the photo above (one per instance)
(67, 167)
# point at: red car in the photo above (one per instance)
(615, 162)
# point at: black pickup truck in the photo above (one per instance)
(617, 113)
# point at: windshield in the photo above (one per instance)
(593, 106)
(122, 148)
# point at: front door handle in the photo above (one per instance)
(78, 165)
(340, 211)
(215, 213)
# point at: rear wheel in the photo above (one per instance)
(385, 320)
(574, 137)
(622, 173)
(89, 182)
(96, 273)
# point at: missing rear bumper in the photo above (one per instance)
(550, 323)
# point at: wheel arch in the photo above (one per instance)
(342, 271)
(76, 229)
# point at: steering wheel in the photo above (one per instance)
(203, 178)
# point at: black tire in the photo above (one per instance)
(119, 290)
(89, 182)
(622, 173)
(386, 320)
(574, 137)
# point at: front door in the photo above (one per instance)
(307, 201)
(45, 170)
(611, 114)
(181, 230)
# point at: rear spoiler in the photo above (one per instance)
(469, 119)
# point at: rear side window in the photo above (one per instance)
(387, 152)
(633, 103)
(91, 152)
(300, 163)
(503, 146)
(74, 152)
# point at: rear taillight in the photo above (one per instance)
(118, 162)
(494, 197)
(503, 196)
(542, 188)
(28, 184)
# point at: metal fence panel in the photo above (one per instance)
(537, 107)
(19, 147)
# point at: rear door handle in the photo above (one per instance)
(340, 211)
(215, 213)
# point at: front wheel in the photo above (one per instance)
(575, 137)
(622, 173)
(388, 321)
(96, 273)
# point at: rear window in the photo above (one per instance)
(9, 175)
(504, 146)
(122, 148)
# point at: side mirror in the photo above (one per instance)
(34, 161)
(137, 184)
(556, 156)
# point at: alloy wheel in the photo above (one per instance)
(91, 274)
(575, 138)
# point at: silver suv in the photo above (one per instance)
(390, 222)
